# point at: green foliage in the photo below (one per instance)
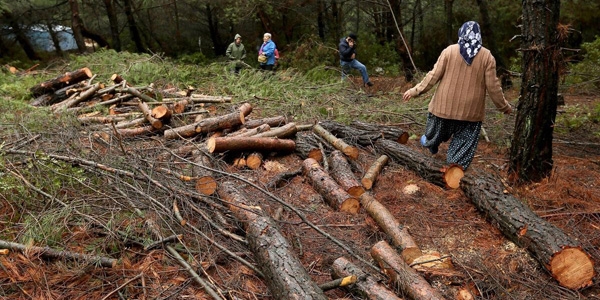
(578, 117)
(585, 75)
(45, 230)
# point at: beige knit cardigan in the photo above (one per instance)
(462, 88)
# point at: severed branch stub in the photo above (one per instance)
(371, 174)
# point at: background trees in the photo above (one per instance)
(175, 27)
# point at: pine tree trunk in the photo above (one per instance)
(531, 146)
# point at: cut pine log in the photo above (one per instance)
(282, 269)
(61, 81)
(272, 122)
(198, 98)
(250, 132)
(285, 131)
(360, 137)
(262, 144)
(407, 279)
(367, 286)
(387, 132)
(427, 167)
(307, 146)
(342, 173)
(398, 234)
(137, 131)
(334, 195)
(337, 143)
(211, 124)
(254, 160)
(562, 256)
(58, 95)
(371, 174)
(156, 123)
(73, 101)
(206, 184)
(162, 112)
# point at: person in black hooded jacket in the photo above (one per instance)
(347, 49)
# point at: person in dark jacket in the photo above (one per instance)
(236, 53)
(347, 49)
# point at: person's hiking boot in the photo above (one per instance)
(433, 150)
(369, 83)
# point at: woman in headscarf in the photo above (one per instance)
(267, 49)
(465, 72)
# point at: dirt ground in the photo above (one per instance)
(442, 222)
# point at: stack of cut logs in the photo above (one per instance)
(328, 150)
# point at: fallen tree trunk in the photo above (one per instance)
(342, 173)
(337, 143)
(360, 137)
(307, 146)
(366, 285)
(263, 144)
(138, 131)
(211, 124)
(427, 167)
(334, 195)
(250, 132)
(399, 235)
(387, 132)
(407, 279)
(561, 255)
(61, 81)
(282, 270)
(47, 252)
(371, 174)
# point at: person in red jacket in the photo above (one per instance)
(465, 71)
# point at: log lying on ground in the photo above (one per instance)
(272, 122)
(156, 123)
(211, 124)
(307, 146)
(342, 173)
(334, 195)
(398, 234)
(47, 252)
(426, 166)
(366, 286)
(70, 102)
(337, 143)
(206, 184)
(407, 279)
(282, 269)
(58, 95)
(137, 131)
(162, 112)
(558, 253)
(250, 132)
(254, 160)
(387, 132)
(61, 82)
(262, 144)
(198, 98)
(356, 136)
(285, 131)
(371, 174)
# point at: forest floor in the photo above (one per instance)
(440, 220)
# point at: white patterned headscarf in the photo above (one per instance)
(469, 41)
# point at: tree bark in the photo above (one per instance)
(337, 143)
(250, 132)
(73, 101)
(373, 172)
(114, 24)
(387, 132)
(47, 252)
(211, 124)
(156, 123)
(407, 279)
(61, 81)
(366, 286)
(133, 27)
(222, 144)
(77, 25)
(138, 131)
(283, 271)
(57, 96)
(307, 146)
(559, 254)
(285, 131)
(357, 136)
(531, 146)
(334, 195)
(342, 174)
(427, 167)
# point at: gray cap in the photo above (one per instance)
(237, 36)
